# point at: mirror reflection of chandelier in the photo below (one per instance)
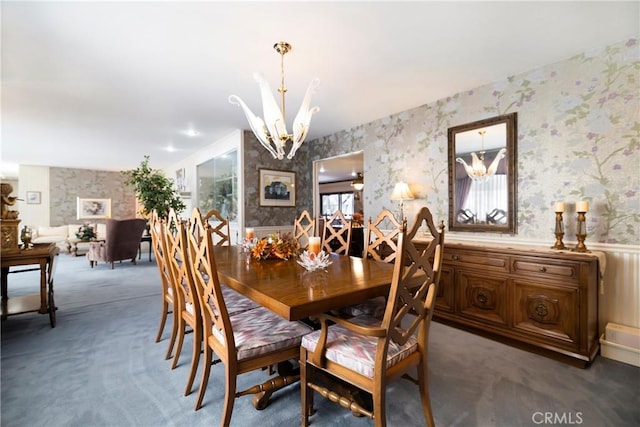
(273, 129)
(478, 171)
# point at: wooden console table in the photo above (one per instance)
(42, 256)
(543, 301)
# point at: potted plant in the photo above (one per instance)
(154, 190)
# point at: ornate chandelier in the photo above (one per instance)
(273, 129)
(478, 171)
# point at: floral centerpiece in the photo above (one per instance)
(275, 245)
(86, 232)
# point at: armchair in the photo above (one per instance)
(122, 242)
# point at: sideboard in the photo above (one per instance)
(539, 300)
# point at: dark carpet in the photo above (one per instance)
(100, 366)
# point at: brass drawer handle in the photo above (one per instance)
(543, 269)
(455, 257)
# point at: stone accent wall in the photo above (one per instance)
(69, 184)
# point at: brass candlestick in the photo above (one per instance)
(559, 232)
(581, 233)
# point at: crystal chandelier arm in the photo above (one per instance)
(257, 125)
(467, 168)
(272, 115)
(493, 168)
(303, 118)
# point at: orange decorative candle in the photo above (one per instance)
(314, 245)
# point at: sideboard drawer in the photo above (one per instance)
(565, 270)
(473, 259)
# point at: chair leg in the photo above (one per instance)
(306, 393)
(174, 334)
(423, 384)
(206, 370)
(229, 395)
(112, 265)
(379, 410)
(195, 358)
(163, 319)
(181, 333)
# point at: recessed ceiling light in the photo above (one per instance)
(191, 132)
(170, 148)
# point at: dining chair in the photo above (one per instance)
(157, 231)
(186, 301)
(380, 245)
(368, 353)
(220, 230)
(244, 342)
(336, 235)
(303, 228)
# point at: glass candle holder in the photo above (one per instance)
(559, 232)
(581, 233)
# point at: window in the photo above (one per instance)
(331, 202)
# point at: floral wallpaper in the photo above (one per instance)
(578, 139)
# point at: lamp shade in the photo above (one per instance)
(401, 192)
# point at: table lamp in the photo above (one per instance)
(401, 192)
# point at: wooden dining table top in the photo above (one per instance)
(289, 290)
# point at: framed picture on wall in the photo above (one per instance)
(277, 188)
(181, 181)
(34, 197)
(94, 208)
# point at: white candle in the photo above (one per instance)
(249, 233)
(559, 207)
(314, 245)
(582, 206)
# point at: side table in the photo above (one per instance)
(145, 238)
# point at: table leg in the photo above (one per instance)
(3, 287)
(43, 287)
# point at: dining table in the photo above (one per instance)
(290, 291)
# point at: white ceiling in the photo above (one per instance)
(101, 84)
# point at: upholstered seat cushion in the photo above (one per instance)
(355, 351)
(259, 331)
(236, 303)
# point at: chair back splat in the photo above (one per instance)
(219, 228)
(168, 292)
(303, 228)
(244, 341)
(187, 307)
(368, 353)
(381, 245)
(336, 235)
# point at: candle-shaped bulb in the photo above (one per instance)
(559, 207)
(582, 206)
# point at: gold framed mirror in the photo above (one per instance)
(483, 176)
